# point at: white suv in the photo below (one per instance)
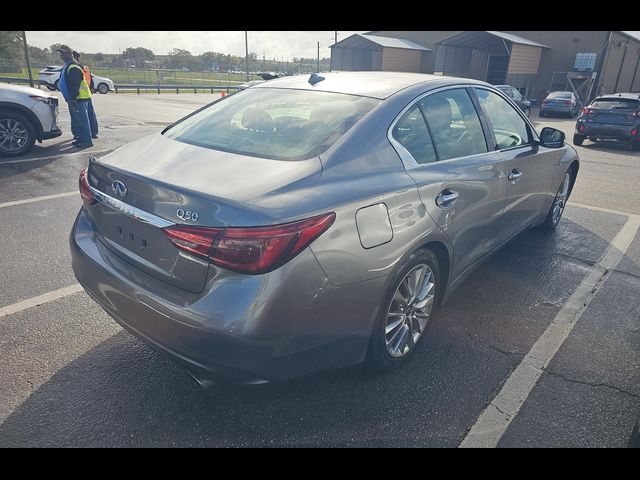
(50, 76)
(26, 115)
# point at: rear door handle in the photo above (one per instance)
(447, 198)
(515, 175)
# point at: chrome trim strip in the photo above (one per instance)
(129, 210)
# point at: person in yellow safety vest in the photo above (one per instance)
(77, 93)
(93, 120)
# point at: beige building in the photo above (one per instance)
(534, 62)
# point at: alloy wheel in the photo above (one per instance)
(14, 136)
(561, 198)
(409, 310)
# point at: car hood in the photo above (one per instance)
(22, 89)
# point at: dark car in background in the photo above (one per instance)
(516, 96)
(610, 117)
(564, 103)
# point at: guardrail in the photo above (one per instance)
(18, 80)
(177, 88)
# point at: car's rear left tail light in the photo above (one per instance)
(634, 132)
(251, 250)
(85, 191)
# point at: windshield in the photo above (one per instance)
(564, 95)
(282, 124)
(616, 103)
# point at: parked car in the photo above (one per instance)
(634, 441)
(50, 76)
(26, 115)
(610, 117)
(296, 227)
(560, 102)
(516, 96)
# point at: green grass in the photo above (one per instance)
(147, 77)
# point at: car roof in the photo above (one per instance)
(370, 84)
(612, 96)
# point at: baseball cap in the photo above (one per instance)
(64, 48)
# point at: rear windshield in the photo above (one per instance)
(566, 95)
(616, 103)
(274, 123)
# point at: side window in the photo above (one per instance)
(454, 124)
(515, 94)
(411, 132)
(508, 126)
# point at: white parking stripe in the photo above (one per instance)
(39, 199)
(604, 210)
(40, 300)
(496, 418)
(61, 154)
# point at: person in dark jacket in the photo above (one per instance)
(93, 120)
(76, 92)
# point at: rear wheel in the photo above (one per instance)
(578, 139)
(17, 134)
(559, 203)
(103, 88)
(406, 309)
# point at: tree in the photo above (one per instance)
(11, 54)
(137, 55)
(98, 57)
(179, 58)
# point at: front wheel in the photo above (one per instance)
(405, 311)
(559, 203)
(17, 135)
(103, 88)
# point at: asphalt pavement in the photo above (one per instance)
(70, 376)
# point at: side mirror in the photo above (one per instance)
(552, 138)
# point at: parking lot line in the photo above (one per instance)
(61, 154)
(40, 299)
(39, 199)
(604, 210)
(496, 418)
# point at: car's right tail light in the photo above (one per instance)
(251, 250)
(85, 191)
(586, 111)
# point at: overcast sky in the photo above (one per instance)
(270, 43)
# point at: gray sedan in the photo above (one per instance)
(312, 223)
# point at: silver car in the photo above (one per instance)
(311, 223)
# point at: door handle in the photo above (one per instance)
(447, 198)
(514, 175)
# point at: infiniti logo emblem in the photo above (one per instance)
(119, 188)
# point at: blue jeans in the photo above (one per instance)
(93, 121)
(80, 121)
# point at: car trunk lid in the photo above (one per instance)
(156, 182)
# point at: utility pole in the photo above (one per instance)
(26, 54)
(246, 50)
(318, 70)
(336, 36)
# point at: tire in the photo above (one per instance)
(55, 85)
(379, 355)
(578, 139)
(51, 87)
(559, 202)
(103, 88)
(17, 134)
(635, 146)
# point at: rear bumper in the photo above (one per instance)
(241, 329)
(558, 109)
(609, 132)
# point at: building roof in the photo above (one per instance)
(352, 41)
(370, 84)
(479, 39)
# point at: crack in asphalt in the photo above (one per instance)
(492, 347)
(581, 382)
(591, 263)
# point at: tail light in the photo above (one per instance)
(545, 101)
(251, 250)
(567, 102)
(586, 111)
(85, 191)
(634, 132)
(581, 128)
(636, 114)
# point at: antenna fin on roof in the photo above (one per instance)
(315, 78)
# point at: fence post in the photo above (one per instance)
(138, 90)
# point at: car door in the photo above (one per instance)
(443, 145)
(527, 166)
